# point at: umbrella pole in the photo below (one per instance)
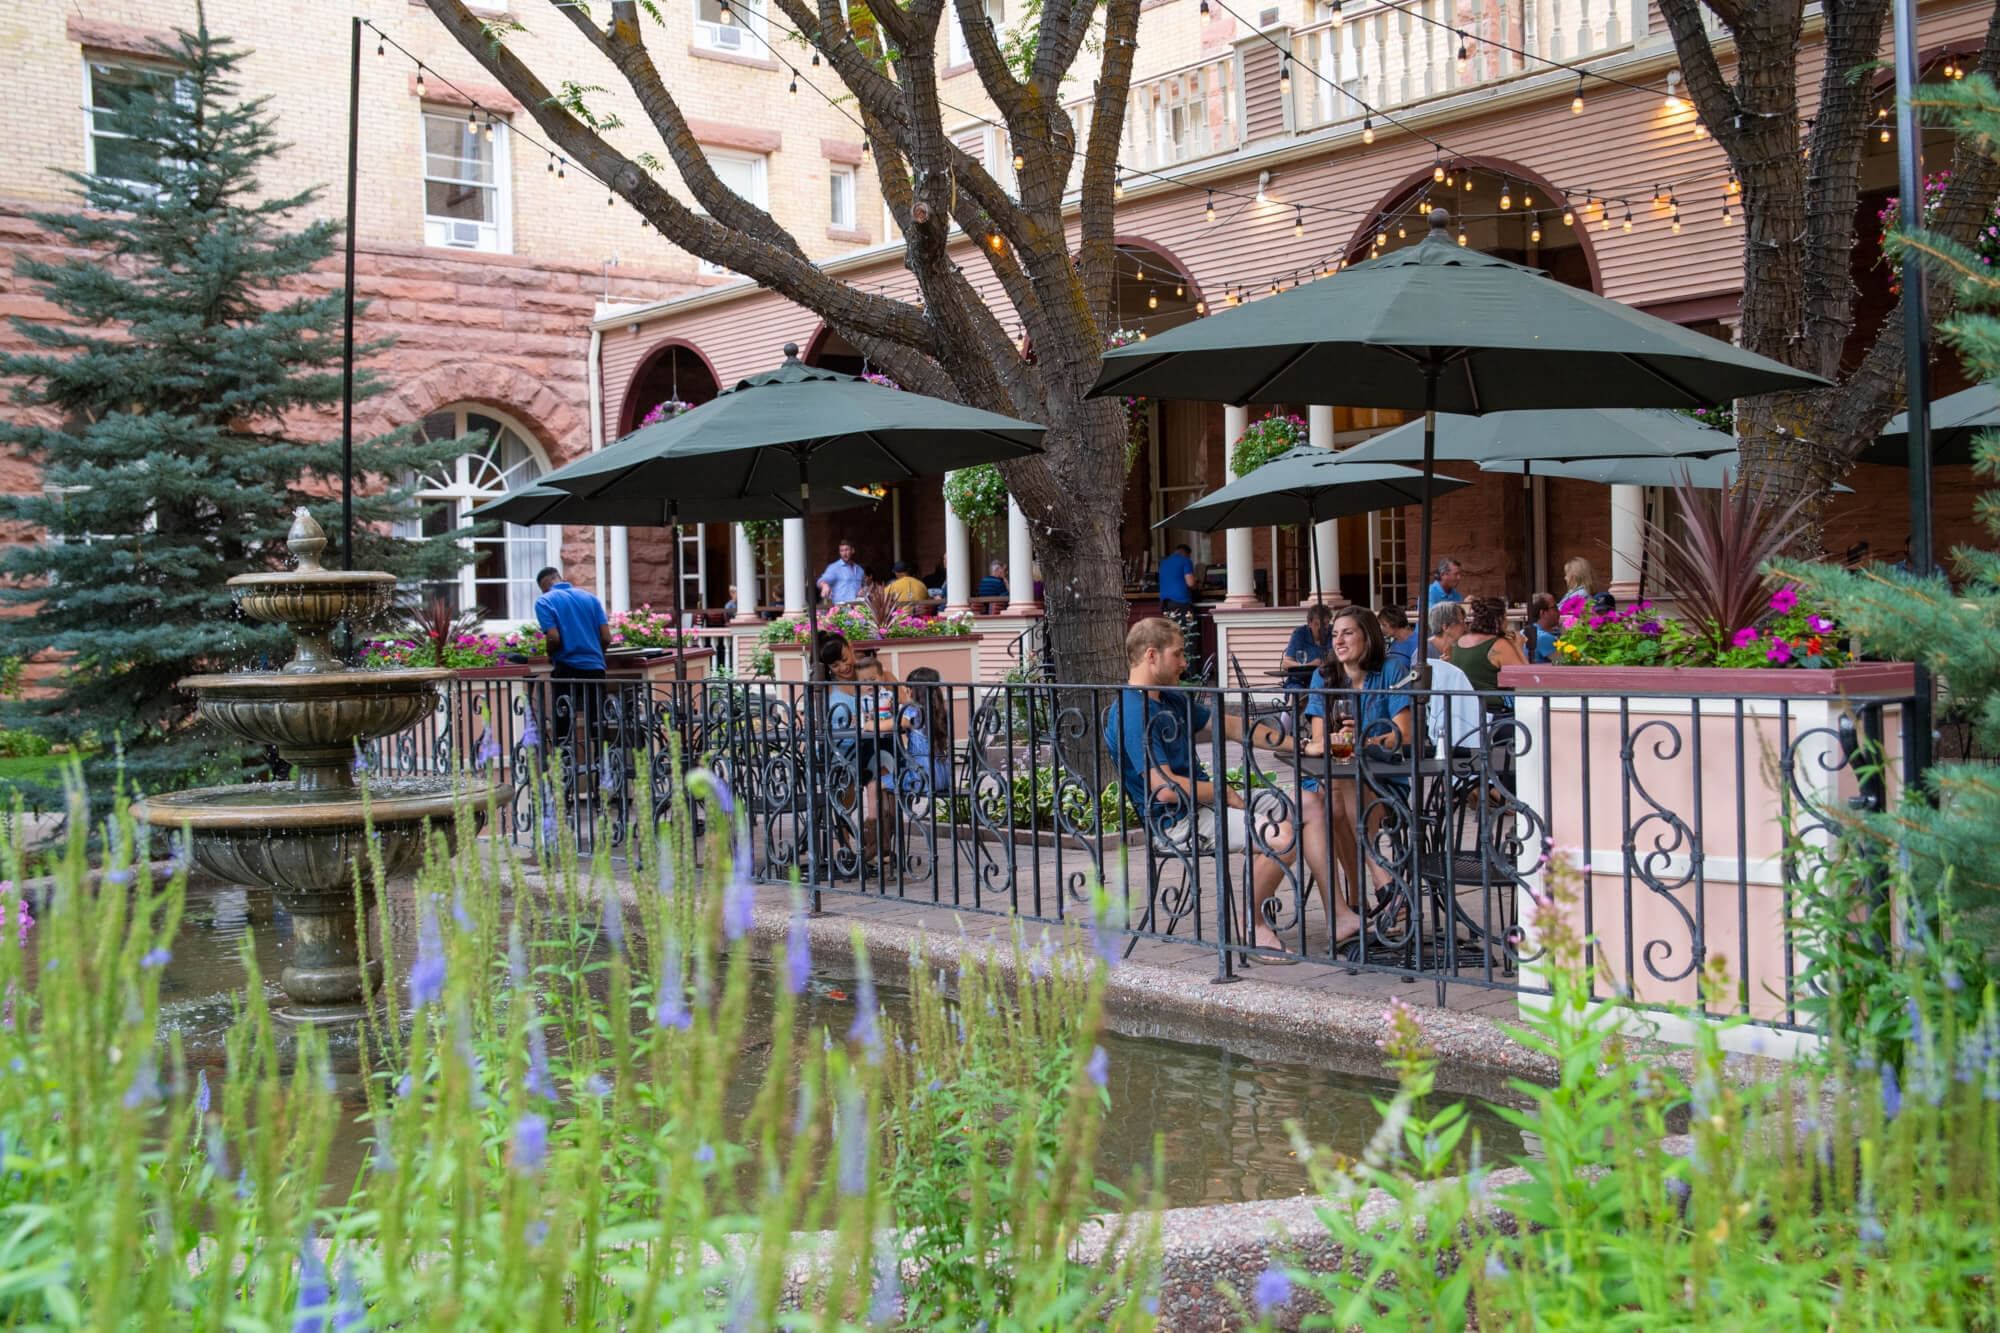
(680, 635)
(1312, 540)
(1433, 369)
(1527, 535)
(812, 714)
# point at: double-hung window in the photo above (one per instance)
(465, 183)
(960, 53)
(840, 188)
(735, 26)
(109, 88)
(743, 173)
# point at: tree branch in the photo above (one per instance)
(1714, 99)
(772, 266)
(987, 61)
(1100, 161)
(1833, 176)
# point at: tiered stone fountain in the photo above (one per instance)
(301, 840)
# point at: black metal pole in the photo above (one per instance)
(1916, 354)
(1527, 536)
(347, 333)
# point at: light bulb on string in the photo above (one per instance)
(551, 168)
(1700, 130)
(380, 48)
(1569, 214)
(1677, 221)
(1728, 218)
(1468, 182)
(420, 79)
(1381, 238)
(1019, 162)
(815, 59)
(1205, 15)
(1180, 289)
(1285, 75)
(1117, 185)
(472, 119)
(1437, 169)
(1463, 239)
(1153, 298)
(1628, 219)
(1735, 186)
(1576, 103)
(1402, 232)
(610, 199)
(1200, 307)
(728, 16)
(562, 167)
(794, 89)
(1338, 17)
(1535, 232)
(995, 242)
(1299, 221)
(1464, 52)
(1506, 195)
(1527, 200)
(1209, 212)
(1368, 129)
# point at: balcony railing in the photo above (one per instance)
(1188, 113)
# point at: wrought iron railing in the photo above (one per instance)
(1686, 817)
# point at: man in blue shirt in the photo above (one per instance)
(1444, 588)
(1544, 626)
(578, 633)
(1177, 577)
(841, 581)
(1399, 640)
(1152, 736)
(1309, 645)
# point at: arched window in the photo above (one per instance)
(500, 581)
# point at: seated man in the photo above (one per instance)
(1400, 638)
(1152, 736)
(995, 583)
(905, 589)
(1308, 646)
(1544, 627)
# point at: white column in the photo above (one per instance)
(743, 573)
(1628, 508)
(795, 566)
(621, 570)
(957, 564)
(1326, 536)
(1020, 563)
(1239, 545)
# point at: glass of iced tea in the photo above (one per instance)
(1340, 744)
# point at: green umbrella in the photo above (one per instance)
(1712, 473)
(783, 433)
(1503, 440)
(1438, 327)
(1956, 420)
(1304, 485)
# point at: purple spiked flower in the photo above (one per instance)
(798, 953)
(489, 749)
(885, 1306)
(201, 1093)
(1273, 1289)
(538, 1083)
(1099, 1067)
(673, 1010)
(350, 1311)
(851, 1142)
(427, 974)
(156, 958)
(309, 1316)
(531, 1143)
(531, 737)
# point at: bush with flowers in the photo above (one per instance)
(461, 651)
(1634, 636)
(1788, 634)
(646, 628)
(853, 621)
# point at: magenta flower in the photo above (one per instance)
(1745, 636)
(1784, 599)
(1571, 605)
(1818, 624)
(1597, 622)
(1779, 651)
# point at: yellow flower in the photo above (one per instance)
(1568, 648)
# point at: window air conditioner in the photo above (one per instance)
(464, 235)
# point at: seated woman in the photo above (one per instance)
(924, 726)
(1582, 581)
(1358, 679)
(1484, 648)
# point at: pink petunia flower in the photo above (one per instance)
(1779, 651)
(1745, 636)
(1571, 605)
(1818, 624)
(1785, 599)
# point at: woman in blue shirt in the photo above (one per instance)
(1357, 678)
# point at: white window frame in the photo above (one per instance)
(745, 37)
(760, 194)
(438, 230)
(847, 219)
(958, 51)
(91, 134)
(464, 493)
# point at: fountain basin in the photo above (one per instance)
(315, 720)
(304, 847)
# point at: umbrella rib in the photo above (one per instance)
(1697, 400)
(1104, 387)
(1258, 388)
(889, 454)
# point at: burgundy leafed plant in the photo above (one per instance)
(435, 625)
(1713, 560)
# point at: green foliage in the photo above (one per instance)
(551, 1141)
(1784, 632)
(977, 496)
(1628, 636)
(24, 744)
(1946, 829)
(171, 382)
(1858, 1199)
(1028, 801)
(1263, 440)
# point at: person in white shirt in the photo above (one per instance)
(1453, 699)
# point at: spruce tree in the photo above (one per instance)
(162, 412)
(1950, 830)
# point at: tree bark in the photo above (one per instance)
(1799, 200)
(952, 343)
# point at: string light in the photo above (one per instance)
(1677, 221)
(1298, 221)
(1285, 75)
(995, 242)
(1401, 232)
(727, 15)
(1527, 200)
(1506, 195)
(610, 200)
(1338, 17)
(1153, 298)
(1464, 53)
(1628, 219)
(1117, 185)
(1735, 186)
(815, 59)
(380, 49)
(420, 78)
(1673, 103)
(1728, 218)
(1368, 129)
(1437, 169)
(1569, 214)
(794, 89)
(1575, 103)
(1535, 233)
(1210, 210)
(1382, 237)
(1200, 307)
(1462, 238)
(1180, 289)
(551, 168)
(1019, 162)
(1205, 15)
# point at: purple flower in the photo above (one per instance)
(1892, 1093)
(153, 958)
(145, 1082)
(531, 1144)
(428, 972)
(530, 737)
(1496, 1268)
(1779, 651)
(1745, 637)
(489, 748)
(866, 1028)
(739, 903)
(538, 1083)
(119, 877)
(1784, 599)
(309, 1316)
(885, 1306)
(597, 1086)
(360, 764)
(1099, 1067)
(1272, 1290)
(349, 1311)
(1818, 624)
(1869, 1231)
(201, 1093)
(1651, 628)
(673, 1011)
(704, 1154)
(798, 954)
(517, 957)
(614, 917)
(851, 1142)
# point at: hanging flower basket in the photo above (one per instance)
(1264, 440)
(671, 408)
(1985, 242)
(977, 497)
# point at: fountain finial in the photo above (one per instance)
(305, 541)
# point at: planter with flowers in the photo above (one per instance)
(646, 644)
(1651, 731)
(898, 640)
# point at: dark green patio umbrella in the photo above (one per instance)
(1510, 441)
(1712, 473)
(1301, 485)
(796, 431)
(1956, 420)
(1438, 327)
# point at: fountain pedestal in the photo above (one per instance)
(310, 842)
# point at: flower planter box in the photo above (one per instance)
(1674, 785)
(660, 668)
(954, 657)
